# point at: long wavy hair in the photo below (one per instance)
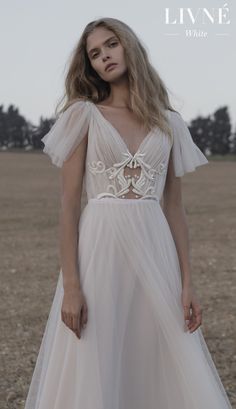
(148, 94)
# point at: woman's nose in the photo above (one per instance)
(105, 56)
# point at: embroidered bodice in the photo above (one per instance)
(119, 173)
(142, 183)
(110, 169)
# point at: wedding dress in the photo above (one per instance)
(134, 352)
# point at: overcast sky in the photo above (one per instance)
(37, 38)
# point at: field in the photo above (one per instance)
(29, 266)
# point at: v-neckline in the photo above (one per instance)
(121, 139)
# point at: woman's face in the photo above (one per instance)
(103, 47)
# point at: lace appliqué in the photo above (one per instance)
(143, 184)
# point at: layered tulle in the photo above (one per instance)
(135, 351)
(67, 132)
(186, 154)
(82, 116)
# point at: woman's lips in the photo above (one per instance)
(111, 67)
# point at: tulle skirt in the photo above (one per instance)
(135, 351)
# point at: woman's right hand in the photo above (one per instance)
(74, 310)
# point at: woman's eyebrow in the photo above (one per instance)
(106, 41)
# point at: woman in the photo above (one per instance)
(124, 327)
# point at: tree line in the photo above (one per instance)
(213, 134)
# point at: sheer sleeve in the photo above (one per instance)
(186, 154)
(67, 132)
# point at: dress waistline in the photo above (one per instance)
(123, 201)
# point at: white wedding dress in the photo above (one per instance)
(134, 352)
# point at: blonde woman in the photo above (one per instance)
(124, 327)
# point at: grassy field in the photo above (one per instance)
(29, 267)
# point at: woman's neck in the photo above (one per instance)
(119, 95)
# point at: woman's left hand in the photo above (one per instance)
(192, 309)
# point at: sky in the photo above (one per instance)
(37, 39)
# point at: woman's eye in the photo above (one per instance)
(111, 44)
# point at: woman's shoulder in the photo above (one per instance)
(67, 132)
(77, 103)
(176, 121)
(75, 110)
(173, 115)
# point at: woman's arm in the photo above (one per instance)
(175, 214)
(174, 211)
(71, 191)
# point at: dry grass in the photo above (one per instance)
(30, 263)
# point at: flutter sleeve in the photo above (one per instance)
(186, 154)
(67, 132)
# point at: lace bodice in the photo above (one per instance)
(142, 183)
(111, 170)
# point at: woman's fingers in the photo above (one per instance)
(84, 318)
(187, 312)
(77, 319)
(72, 321)
(192, 322)
(192, 309)
(192, 317)
(197, 319)
(68, 320)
